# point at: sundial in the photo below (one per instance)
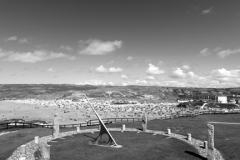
(99, 140)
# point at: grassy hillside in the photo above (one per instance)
(144, 93)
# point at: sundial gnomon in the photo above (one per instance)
(103, 130)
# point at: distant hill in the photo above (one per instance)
(55, 91)
(144, 93)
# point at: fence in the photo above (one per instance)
(18, 125)
(94, 122)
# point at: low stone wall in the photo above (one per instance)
(31, 147)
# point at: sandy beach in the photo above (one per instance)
(26, 111)
(77, 112)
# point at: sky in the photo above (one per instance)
(187, 43)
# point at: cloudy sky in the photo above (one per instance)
(187, 43)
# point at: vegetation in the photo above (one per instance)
(227, 139)
(141, 93)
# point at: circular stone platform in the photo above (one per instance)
(136, 146)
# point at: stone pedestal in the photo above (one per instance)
(43, 152)
(78, 129)
(55, 126)
(211, 150)
(23, 150)
(22, 158)
(144, 122)
(36, 139)
(168, 131)
(211, 155)
(123, 127)
(210, 136)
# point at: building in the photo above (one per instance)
(222, 99)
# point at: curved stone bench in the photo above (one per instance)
(31, 147)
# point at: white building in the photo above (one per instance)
(222, 99)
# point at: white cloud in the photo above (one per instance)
(130, 58)
(96, 82)
(225, 73)
(141, 82)
(191, 74)
(51, 70)
(115, 70)
(154, 70)
(12, 38)
(186, 66)
(101, 69)
(217, 78)
(97, 47)
(225, 53)
(150, 77)
(67, 48)
(32, 57)
(124, 76)
(207, 11)
(178, 73)
(24, 40)
(205, 52)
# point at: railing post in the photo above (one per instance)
(123, 127)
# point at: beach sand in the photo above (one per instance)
(28, 112)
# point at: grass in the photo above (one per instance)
(227, 137)
(137, 146)
(10, 142)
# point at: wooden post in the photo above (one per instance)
(123, 127)
(99, 127)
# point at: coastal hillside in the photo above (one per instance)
(145, 93)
